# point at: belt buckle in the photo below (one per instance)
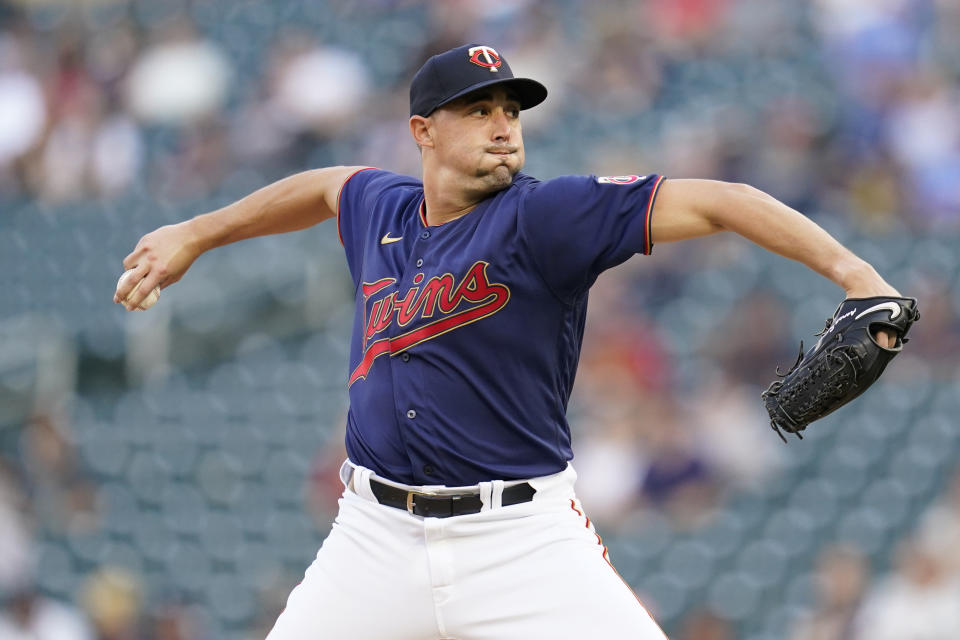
(410, 502)
(411, 494)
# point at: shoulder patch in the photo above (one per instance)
(619, 179)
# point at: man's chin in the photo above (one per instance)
(500, 177)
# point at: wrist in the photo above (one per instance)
(199, 234)
(860, 280)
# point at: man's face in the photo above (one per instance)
(478, 137)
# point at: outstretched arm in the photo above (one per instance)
(691, 208)
(162, 256)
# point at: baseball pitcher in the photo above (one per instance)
(459, 517)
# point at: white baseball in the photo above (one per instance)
(149, 301)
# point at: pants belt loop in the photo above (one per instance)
(346, 472)
(496, 495)
(361, 483)
(486, 495)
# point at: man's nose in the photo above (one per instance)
(501, 126)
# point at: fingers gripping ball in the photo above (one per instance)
(846, 360)
(147, 302)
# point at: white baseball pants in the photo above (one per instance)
(521, 572)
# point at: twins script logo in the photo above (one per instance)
(485, 57)
(457, 304)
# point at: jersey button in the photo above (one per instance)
(411, 414)
(405, 357)
(419, 262)
(425, 234)
(428, 469)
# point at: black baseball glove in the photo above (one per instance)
(844, 362)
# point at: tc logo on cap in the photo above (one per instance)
(485, 57)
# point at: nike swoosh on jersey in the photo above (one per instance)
(892, 307)
(386, 239)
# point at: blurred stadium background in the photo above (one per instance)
(169, 475)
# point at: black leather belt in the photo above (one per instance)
(430, 505)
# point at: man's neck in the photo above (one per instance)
(445, 199)
(439, 209)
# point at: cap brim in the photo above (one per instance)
(529, 92)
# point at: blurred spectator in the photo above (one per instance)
(623, 351)
(609, 462)
(23, 112)
(918, 600)
(28, 615)
(841, 577)
(112, 599)
(706, 625)
(678, 478)
(938, 343)
(195, 165)
(117, 154)
(754, 331)
(732, 430)
(171, 622)
(76, 104)
(788, 163)
(320, 88)
(940, 527)
(386, 141)
(621, 71)
(326, 487)
(875, 194)
(923, 131)
(61, 494)
(693, 21)
(272, 599)
(16, 542)
(179, 79)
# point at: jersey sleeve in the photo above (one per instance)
(576, 227)
(355, 205)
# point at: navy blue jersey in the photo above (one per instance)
(466, 335)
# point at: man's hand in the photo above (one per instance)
(159, 259)
(885, 339)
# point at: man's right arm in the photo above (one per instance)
(162, 256)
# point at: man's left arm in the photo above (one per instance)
(688, 208)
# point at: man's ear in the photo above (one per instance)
(420, 129)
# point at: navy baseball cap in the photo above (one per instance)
(455, 73)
